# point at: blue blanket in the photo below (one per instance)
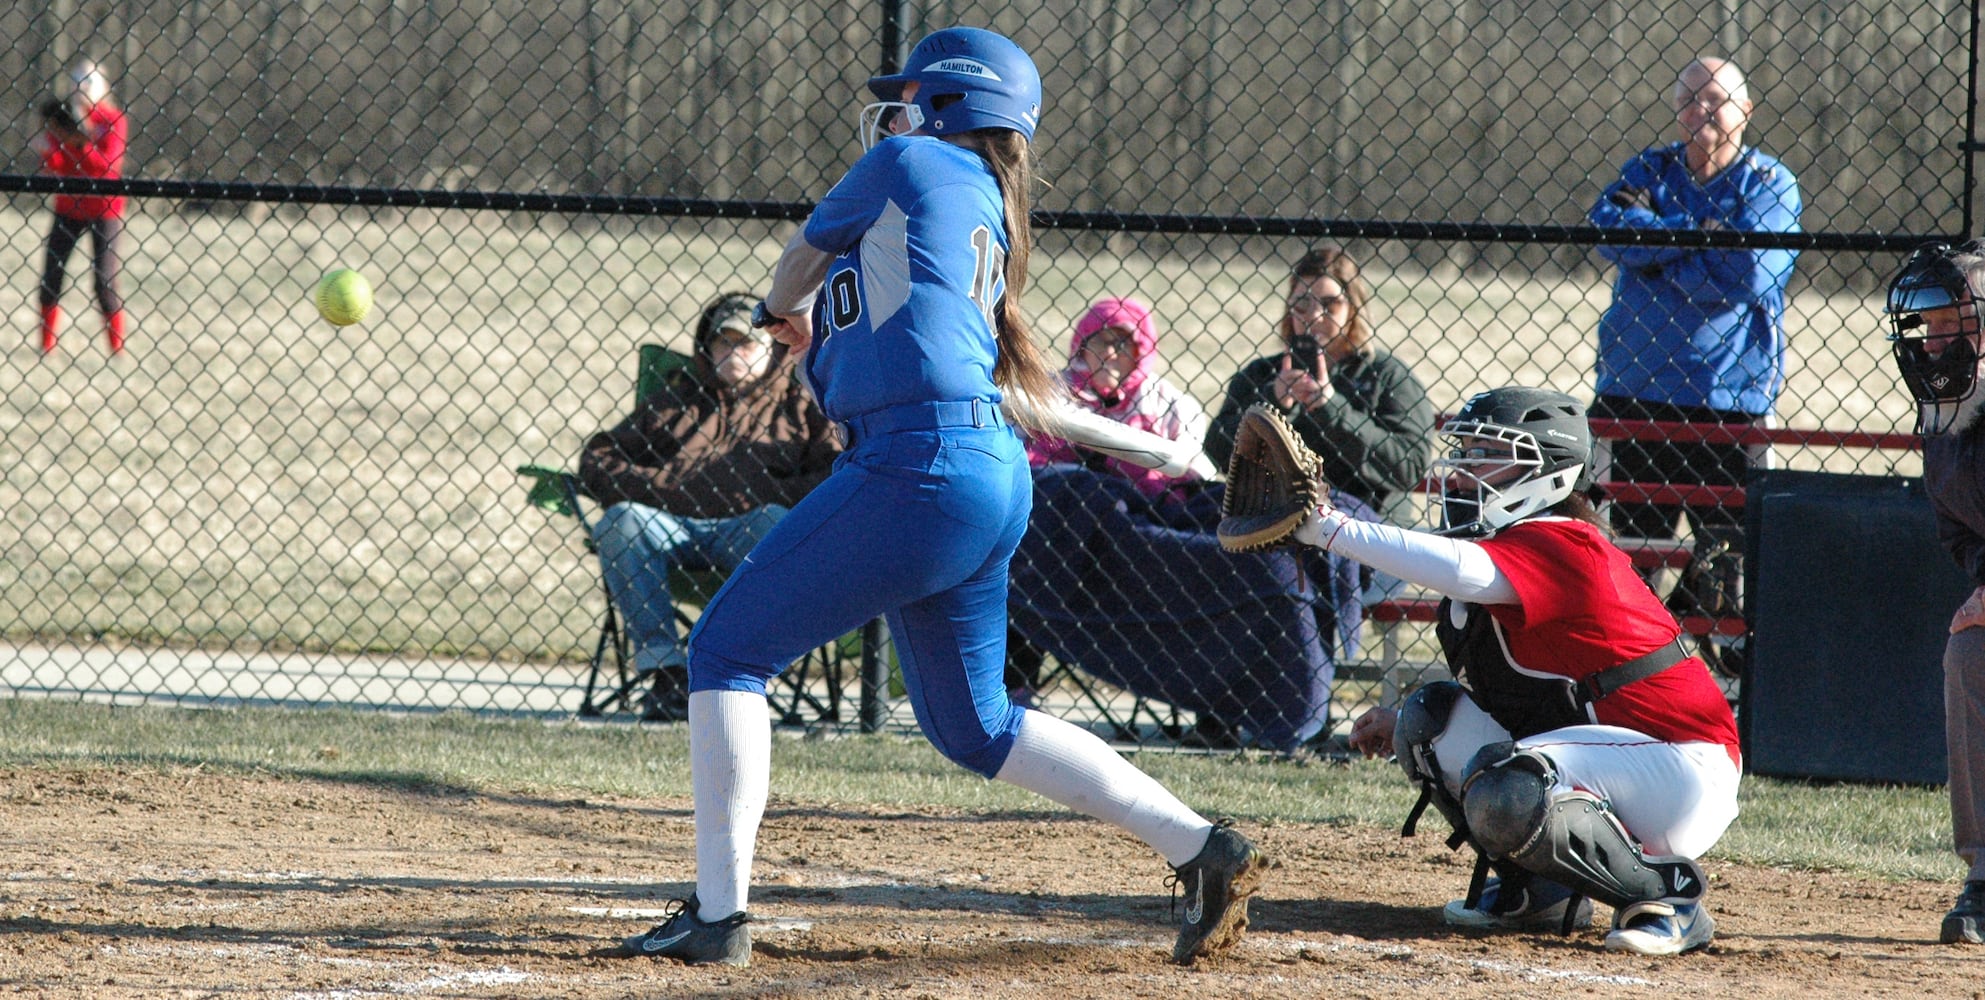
(1142, 596)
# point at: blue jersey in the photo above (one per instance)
(1694, 327)
(918, 231)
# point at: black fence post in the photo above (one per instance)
(875, 635)
(1971, 144)
(895, 35)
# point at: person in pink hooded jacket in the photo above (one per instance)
(1112, 362)
(1141, 595)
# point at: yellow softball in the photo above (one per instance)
(344, 297)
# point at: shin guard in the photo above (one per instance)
(1570, 837)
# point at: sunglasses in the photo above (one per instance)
(1307, 303)
(1104, 344)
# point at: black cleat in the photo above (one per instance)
(686, 938)
(1216, 884)
(1963, 923)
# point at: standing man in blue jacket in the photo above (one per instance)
(1696, 334)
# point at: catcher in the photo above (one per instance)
(1582, 753)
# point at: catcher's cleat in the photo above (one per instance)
(1540, 906)
(1963, 923)
(1662, 927)
(1216, 884)
(687, 939)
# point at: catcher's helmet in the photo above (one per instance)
(968, 78)
(1939, 366)
(1510, 453)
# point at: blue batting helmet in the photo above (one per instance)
(968, 78)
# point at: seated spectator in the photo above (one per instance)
(696, 475)
(1358, 407)
(1112, 362)
(1247, 642)
(1121, 575)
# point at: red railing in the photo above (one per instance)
(1654, 553)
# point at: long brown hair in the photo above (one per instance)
(1021, 365)
(1579, 507)
(1330, 261)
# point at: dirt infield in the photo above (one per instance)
(190, 884)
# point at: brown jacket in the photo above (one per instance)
(699, 449)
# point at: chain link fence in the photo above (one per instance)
(247, 505)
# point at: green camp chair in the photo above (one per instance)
(556, 491)
(795, 694)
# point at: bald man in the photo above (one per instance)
(1695, 334)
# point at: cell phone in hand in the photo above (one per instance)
(1303, 349)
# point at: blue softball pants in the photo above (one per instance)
(917, 525)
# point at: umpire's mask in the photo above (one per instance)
(1934, 330)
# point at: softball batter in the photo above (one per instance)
(1582, 753)
(903, 289)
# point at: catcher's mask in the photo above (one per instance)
(1934, 329)
(967, 78)
(1508, 454)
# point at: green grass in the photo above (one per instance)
(1890, 832)
(250, 477)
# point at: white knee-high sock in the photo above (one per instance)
(1072, 766)
(730, 771)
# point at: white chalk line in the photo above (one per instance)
(776, 925)
(298, 877)
(500, 976)
(1530, 973)
(432, 979)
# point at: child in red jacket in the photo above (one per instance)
(86, 136)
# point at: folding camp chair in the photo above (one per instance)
(1165, 615)
(1029, 667)
(557, 491)
(797, 693)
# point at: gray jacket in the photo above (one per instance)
(1954, 476)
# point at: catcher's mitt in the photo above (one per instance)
(1273, 481)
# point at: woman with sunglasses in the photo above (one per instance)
(1358, 407)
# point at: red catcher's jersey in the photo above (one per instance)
(1584, 609)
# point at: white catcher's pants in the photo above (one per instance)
(1675, 798)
